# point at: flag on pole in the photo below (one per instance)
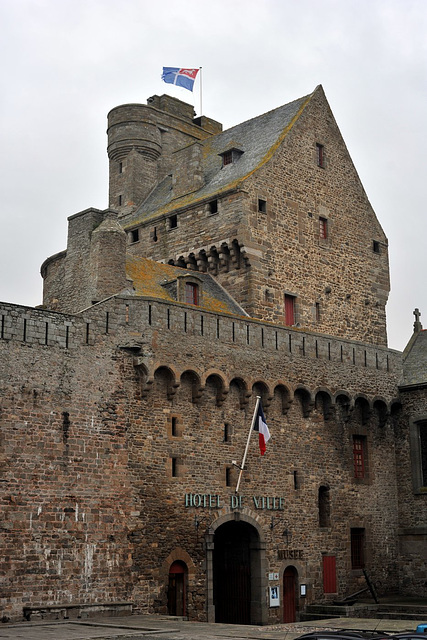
(260, 425)
(181, 77)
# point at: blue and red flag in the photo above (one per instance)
(260, 425)
(181, 77)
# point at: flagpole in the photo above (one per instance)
(258, 400)
(201, 110)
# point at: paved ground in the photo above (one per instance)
(157, 628)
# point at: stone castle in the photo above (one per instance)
(230, 265)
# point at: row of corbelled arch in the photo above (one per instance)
(319, 399)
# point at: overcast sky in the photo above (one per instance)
(65, 63)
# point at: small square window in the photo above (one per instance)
(262, 205)
(213, 206)
(227, 158)
(375, 246)
(134, 235)
(173, 222)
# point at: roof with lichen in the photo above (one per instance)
(256, 139)
(158, 280)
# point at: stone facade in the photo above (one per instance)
(126, 400)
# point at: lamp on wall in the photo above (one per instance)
(287, 534)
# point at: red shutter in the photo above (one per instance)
(289, 310)
(329, 574)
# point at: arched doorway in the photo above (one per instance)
(177, 589)
(236, 574)
(290, 584)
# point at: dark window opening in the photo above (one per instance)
(289, 310)
(154, 234)
(134, 235)
(227, 477)
(262, 205)
(317, 311)
(320, 151)
(120, 201)
(324, 507)
(227, 433)
(191, 293)
(174, 426)
(296, 480)
(227, 158)
(174, 467)
(173, 222)
(375, 246)
(213, 206)
(120, 167)
(359, 446)
(357, 537)
(323, 228)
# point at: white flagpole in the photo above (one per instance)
(201, 111)
(258, 400)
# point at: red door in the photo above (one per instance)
(329, 574)
(289, 594)
(176, 591)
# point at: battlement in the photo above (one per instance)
(126, 320)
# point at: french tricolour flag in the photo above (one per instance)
(181, 77)
(260, 425)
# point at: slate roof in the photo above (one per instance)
(415, 360)
(156, 280)
(257, 138)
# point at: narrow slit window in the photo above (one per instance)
(174, 426)
(320, 152)
(323, 228)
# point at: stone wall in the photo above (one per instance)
(93, 511)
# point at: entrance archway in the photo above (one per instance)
(237, 574)
(290, 584)
(177, 589)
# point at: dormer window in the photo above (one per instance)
(190, 289)
(191, 293)
(230, 156)
(227, 158)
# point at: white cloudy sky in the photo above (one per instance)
(65, 63)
